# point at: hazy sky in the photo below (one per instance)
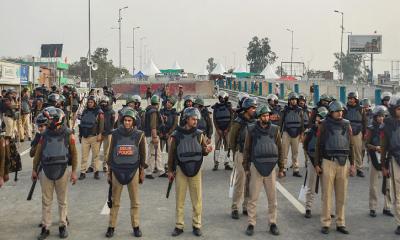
(190, 31)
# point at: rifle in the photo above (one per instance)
(109, 198)
(384, 188)
(38, 169)
(317, 185)
(171, 181)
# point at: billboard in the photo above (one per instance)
(9, 73)
(51, 50)
(24, 74)
(365, 44)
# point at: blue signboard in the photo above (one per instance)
(24, 74)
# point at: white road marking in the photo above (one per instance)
(25, 152)
(291, 199)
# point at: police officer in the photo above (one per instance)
(237, 135)
(179, 104)
(187, 102)
(41, 123)
(309, 145)
(273, 103)
(222, 119)
(373, 144)
(91, 129)
(241, 97)
(358, 119)
(126, 162)
(169, 121)
(385, 98)
(10, 113)
(187, 148)
(54, 100)
(306, 113)
(262, 151)
(332, 151)
(390, 156)
(151, 131)
(109, 119)
(366, 105)
(75, 102)
(324, 101)
(137, 100)
(292, 125)
(205, 123)
(54, 151)
(25, 127)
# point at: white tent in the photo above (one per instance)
(239, 69)
(218, 70)
(269, 73)
(150, 69)
(176, 66)
(204, 72)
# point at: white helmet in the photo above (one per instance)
(272, 97)
(223, 94)
(386, 96)
(242, 95)
(137, 98)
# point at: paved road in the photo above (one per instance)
(19, 218)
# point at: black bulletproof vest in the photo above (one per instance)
(202, 122)
(88, 126)
(244, 123)
(55, 153)
(264, 151)
(125, 155)
(292, 121)
(336, 140)
(169, 117)
(392, 129)
(312, 143)
(108, 120)
(147, 120)
(353, 114)
(189, 151)
(222, 115)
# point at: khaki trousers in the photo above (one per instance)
(293, 143)
(195, 190)
(133, 190)
(11, 126)
(152, 162)
(241, 184)
(357, 150)
(72, 120)
(90, 143)
(25, 127)
(60, 186)
(334, 178)
(106, 148)
(256, 182)
(395, 182)
(311, 182)
(374, 185)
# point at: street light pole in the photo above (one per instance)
(133, 49)
(119, 29)
(341, 45)
(291, 53)
(90, 54)
(141, 52)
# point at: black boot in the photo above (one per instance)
(137, 232)
(372, 213)
(177, 232)
(274, 229)
(149, 176)
(96, 175)
(110, 232)
(215, 168)
(228, 168)
(250, 230)
(82, 176)
(387, 212)
(63, 233)
(308, 214)
(197, 232)
(325, 230)
(245, 212)
(360, 173)
(342, 229)
(89, 170)
(397, 230)
(235, 214)
(164, 175)
(44, 234)
(297, 174)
